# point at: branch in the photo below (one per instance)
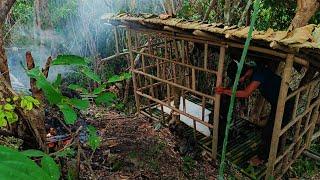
(244, 13)
(212, 4)
(5, 6)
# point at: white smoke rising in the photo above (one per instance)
(82, 34)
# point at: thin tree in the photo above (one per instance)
(5, 6)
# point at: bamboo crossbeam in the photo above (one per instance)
(175, 109)
(303, 88)
(114, 56)
(157, 84)
(293, 122)
(292, 144)
(182, 37)
(290, 164)
(151, 66)
(316, 135)
(176, 62)
(218, 42)
(174, 84)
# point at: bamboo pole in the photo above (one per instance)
(193, 79)
(132, 69)
(208, 38)
(279, 115)
(179, 63)
(314, 119)
(205, 56)
(116, 37)
(175, 109)
(217, 103)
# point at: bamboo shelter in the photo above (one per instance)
(177, 64)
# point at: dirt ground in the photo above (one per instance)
(137, 148)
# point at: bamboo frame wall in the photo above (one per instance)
(163, 51)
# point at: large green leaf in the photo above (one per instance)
(33, 153)
(14, 165)
(99, 89)
(80, 104)
(94, 140)
(115, 78)
(78, 88)
(58, 81)
(90, 74)
(69, 60)
(106, 98)
(118, 78)
(51, 93)
(69, 114)
(50, 167)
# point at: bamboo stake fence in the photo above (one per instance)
(164, 73)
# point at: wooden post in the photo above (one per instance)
(132, 68)
(217, 103)
(279, 114)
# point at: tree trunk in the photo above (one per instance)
(168, 7)
(4, 68)
(212, 5)
(305, 10)
(33, 119)
(245, 13)
(5, 6)
(227, 12)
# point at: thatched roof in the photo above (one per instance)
(304, 41)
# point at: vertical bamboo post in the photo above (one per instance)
(116, 37)
(217, 103)
(298, 125)
(279, 114)
(133, 68)
(206, 56)
(136, 40)
(193, 78)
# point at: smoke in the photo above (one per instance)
(77, 30)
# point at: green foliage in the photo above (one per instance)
(70, 116)
(119, 78)
(53, 93)
(106, 98)
(188, 164)
(17, 165)
(69, 60)
(94, 140)
(78, 88)
(79, 103)
(90, 74)
(8, 107)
